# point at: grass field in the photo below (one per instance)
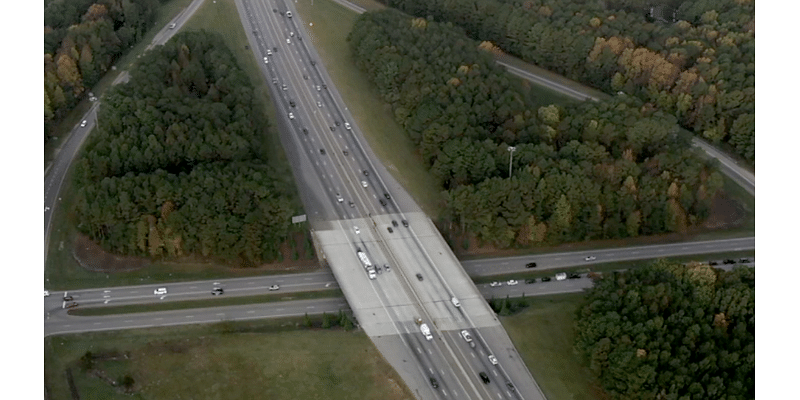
(269, 359)
(332, 24)
(543, 334)
(213, 302)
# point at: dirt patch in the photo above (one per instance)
(725, 213)
(92, 257)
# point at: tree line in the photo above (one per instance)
(700, 69)
(175, 164)
(82, 39)
(668, 331)
(586, 171)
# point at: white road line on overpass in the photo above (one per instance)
(127, 321)
(97, 323)
(219, 314)
(251, 312)
(190, 316)
(158, 319)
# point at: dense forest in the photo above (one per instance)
(82, 39)
(668, 331)
(588, 171)
(175, 165)
(701, 69)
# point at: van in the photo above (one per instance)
(561, 276)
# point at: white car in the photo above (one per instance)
(284, 87)
(339, 198)
(172, 25)
(161, 290)
(318, 88)
(266, 60)
(46, 293)
(291, 34)
(289, 14)
(269, 52)
(83, 123)
(590, 258)
(561, 276)
(364, 184)
(455, 302)
(319, 104)
(512, 282)
(347, 125)
(291, 116)
(355, 228)
(492, 359)
(495, 284)
(274, 287)
(288, 41)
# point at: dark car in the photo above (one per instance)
(305, 77)
(345, 152)
(484, 377)
(529, 281)
(744, 260)
(366, 173)
(530, 265)
(68, 298)
(510, 386)
(336, 123)
(274, 10)
(434, 383)
(546, 279)
(324, 86)
(352, 204)
(386, 267)
(275, 49)
(394, 223)
(729, 261)
(291, 103)
(321, 151)
(389, 228)
(573, 275)
(405, 223)
(332, 128)
(217, 291)
(313, 62)
(305, 131)
(383, 203)
(713, 263)
(71, 305)
(419, 276)
(387, 196)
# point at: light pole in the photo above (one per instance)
(511, 150)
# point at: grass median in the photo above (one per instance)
(221, 301)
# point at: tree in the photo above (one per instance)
(307, 321)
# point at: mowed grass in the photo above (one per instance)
(331, 25)
(269, 359)
(543, 334)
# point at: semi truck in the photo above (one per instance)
(367, 264)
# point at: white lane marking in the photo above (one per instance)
(419, 351)
(220, 314)
(106, 302)
(310, 307)
(105, 297)
(129, 320)
(192, 287)
(97, 323)
(106, 291)
(251, 312)
(279, 309)
(135, 291)
(430, 369)
(558, 258)
(190, 316)
(307, 279)
(494, 372)
(430, 352)
(159, 319)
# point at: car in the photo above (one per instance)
(319, 104)
(729, 261)
(332, 128)
(68, 298)
(339, 198)
(217, 291)
(495, 284)
(383, 202)
(573, 275)
(288, 41)
(172, 25)
(291, 116)
(386, 267)
(336, 123)
(546, 279)
(289, 14)
(292, 103)
(455, 301)
(590, 258)
(266, 60)
(275, 80)
(274, 287)
(322, 151)
(405, 223)
(530, 265)
(492, 359)
(347, 126)
(305, 77)
(318, 88)
(352, 204)
(324, 86)
(561, 276)
(394, 223)
(345, 152)
(511, 282)
(92, 98)
(366, 173)
(83, 123)
(284, 87)
(377, 268)
(274, 10)
(389, 228)
(510, 386)
(71, 305)
(744, 260)
(315, 63)
(387, 196)
(269, 53)
(355, 228)
(484, 377)
(299, 37)
(419, 277)
(275, 49)
(161, 290)
(305, 131)
(364, 184)
(713, 263)
(46, 293)
(529, 281)
(291, 34)
(434, 383)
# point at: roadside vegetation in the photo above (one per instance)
(310, 357)
(692, 60)
(582, 172)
